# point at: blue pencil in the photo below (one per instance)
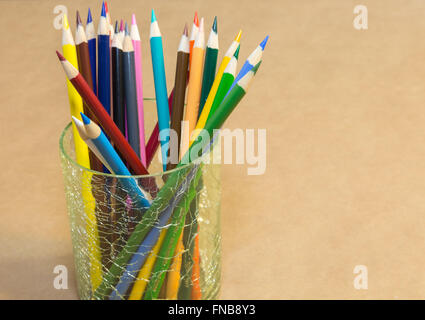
(160, 88)
(91, 40)
(139, 258)
(97, 141)
(103, 50)
(252, 61)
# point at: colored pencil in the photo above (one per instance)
(160, 87)
(83, 56)
(118, 81)
(82, 157)
(153, 141)
(211, 54)
(91, 133)
(225, 83)
(179, 96)
(252, 61)
(103, 75)
(139, 258)
(193, 35)
(135, 37)
(194, 88)
(226, 59)
(75, 101)
(91, 40)
(130, 93)
(104, 119)
(145, 272)
(109, 21)
(163, 261)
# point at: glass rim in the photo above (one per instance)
(79, 166)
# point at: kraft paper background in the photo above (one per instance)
(345, 116)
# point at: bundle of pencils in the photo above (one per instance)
(105, 88)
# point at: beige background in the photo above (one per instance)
(344, 112)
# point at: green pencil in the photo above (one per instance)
(210, 65)
(225, 82)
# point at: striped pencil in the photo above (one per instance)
(226, 59)
(211, 54)
(130, 92)
(135, 38)
(252, 61)
(160, 87)
(91, 40)
(103, 75)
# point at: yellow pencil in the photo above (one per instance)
(82, 156)
(210, 99)
(144, 273)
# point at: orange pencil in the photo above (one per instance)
(193, 35)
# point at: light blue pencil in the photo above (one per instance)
(96, 140)
(252, 61)
(157, 53)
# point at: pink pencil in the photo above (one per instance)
(135, 37)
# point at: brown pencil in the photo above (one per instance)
(179, 96)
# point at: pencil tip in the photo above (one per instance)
(264, 42)
(86, 119)
(195, 19)
(61, 57)
(153, 17)
(237, 52)
(133, 19)
(103, 12)
(185, 32)
(117, 27)
(214, 27)
(106, 7)
(65, 23)
(126, 29)
(238, 37)
(78, 19)
(89, 18)
(122, 25)
(255, 69)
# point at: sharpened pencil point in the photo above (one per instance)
(126, 29)
(103, 12)
(117, 27)
(255, 69)
(237, 52)
(238, 37)
(264, 42)
(133, 19)
(65, 23)
(61, 57)
(106, 7)
(195, 19)
(153, 17)
(78, 19)
(185, 32)
(89, 18)
(214, 26)
(86, 119)
(122, 25)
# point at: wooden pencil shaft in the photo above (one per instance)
(130, 99)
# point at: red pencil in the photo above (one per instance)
(105, 120)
